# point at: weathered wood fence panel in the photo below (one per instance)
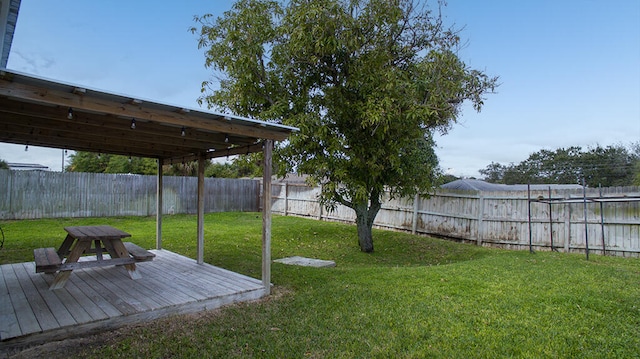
(487, 218)
(498, 219)
(35, 194)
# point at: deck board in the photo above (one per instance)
(26, 317)
(10, 327)
(54, 303)
(103, 298)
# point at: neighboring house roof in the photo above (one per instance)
(8, 19)
(482, 186)
(292, 178)
(27, 167)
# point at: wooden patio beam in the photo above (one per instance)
(266, 217)
(85, 102)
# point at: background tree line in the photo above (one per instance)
(241, 166)
(611, 166)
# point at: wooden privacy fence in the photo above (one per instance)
(486, 218)
(36, 194)
(498, 219)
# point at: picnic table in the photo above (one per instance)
(78, 243)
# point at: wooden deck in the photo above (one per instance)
(96, 299)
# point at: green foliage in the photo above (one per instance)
(614, 165)
(106, 163)
(243, 166)
(415, 297)
(248, 165)
(186, 169)
(4, 165)
(446, 178)
(367, 83)
(88, 162)
(134, 165)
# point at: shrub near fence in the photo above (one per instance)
(37, 194)
(499, 219)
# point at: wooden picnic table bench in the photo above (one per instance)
(106, 239)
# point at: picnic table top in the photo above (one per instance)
(95, 232)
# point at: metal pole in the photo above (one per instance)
(604, 247)
(529, 215)
(586, 227)
(550, 221)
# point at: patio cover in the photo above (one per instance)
(41, 112)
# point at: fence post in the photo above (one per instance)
(604, 246)
(320, 205)
(480, 219)
(567, 223)
(586, 224)
(286, 198)
(414, 227)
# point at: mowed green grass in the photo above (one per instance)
(415, 297)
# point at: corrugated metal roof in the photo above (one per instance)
(27, 167)
(8, 19)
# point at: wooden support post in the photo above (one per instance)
(266, 217)
(159, 206)
(200, 246)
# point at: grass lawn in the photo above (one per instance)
(415, 297)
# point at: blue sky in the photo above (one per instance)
(569, 69)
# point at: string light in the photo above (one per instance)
(26, 148)
(133, 124)
(183, 132)
(226, 138)
(70, 114)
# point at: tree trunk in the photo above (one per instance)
(365, 215)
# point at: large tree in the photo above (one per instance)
(367, 83)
